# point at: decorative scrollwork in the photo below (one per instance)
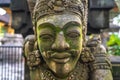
(33, 59)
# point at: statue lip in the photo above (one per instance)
(64, 60)
(60, 57)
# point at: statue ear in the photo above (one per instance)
(86, 55)
(31, 53)
(29, 44)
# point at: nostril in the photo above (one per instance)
(61, 46)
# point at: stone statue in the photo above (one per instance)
(58, 50)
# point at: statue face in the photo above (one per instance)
(60, 42)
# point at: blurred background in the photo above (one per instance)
(16, 24)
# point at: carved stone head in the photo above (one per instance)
(60, 28)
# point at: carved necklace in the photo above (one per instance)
(80, 73)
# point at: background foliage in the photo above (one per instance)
(114, 45)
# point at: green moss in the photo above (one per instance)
(114, 45)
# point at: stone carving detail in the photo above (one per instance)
(33, 59)
(59, 50)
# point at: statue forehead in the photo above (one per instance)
(59, 20)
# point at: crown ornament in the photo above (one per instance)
(40, 8)
(57, 5)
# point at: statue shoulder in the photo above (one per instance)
(99, 52)
(100, 67)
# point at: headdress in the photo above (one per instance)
(40, 8)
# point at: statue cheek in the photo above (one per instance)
(75, 43)
(44, 46)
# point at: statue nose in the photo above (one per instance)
(60, 43)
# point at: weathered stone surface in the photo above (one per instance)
(59, 50)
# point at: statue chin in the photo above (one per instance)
(61, 70)
(61, 75)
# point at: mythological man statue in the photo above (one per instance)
(58, 50)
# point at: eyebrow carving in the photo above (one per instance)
(71, 24)
(55, 27)
(46, 25)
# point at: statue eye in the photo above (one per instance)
(73, 34)
(46, 37)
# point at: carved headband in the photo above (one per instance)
(40, 8)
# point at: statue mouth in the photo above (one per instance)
(60, 57)
(64, 60)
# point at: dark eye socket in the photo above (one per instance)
(73, 34)
(46, 36)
